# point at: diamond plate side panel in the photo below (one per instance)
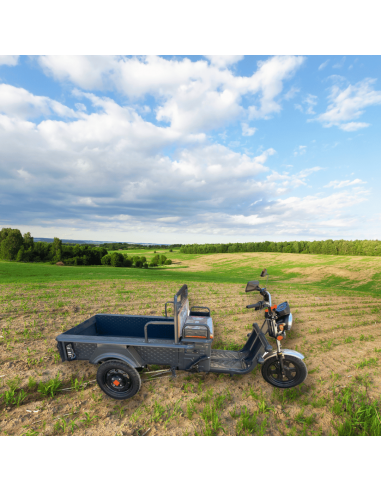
(157, 355)
(84, 351)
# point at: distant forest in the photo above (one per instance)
(17, 247)
(126, 246)
(327, 247)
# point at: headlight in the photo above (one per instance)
(289, 322)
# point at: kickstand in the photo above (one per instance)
(173, 370)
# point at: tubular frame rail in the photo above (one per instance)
(165, 307)
(198, 307)
(156, 323)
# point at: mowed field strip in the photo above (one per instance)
(336, 306)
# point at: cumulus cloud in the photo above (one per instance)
(108, 166)
(223, 60)
(308, 104)
(20, 103)
(291, 93)
(192, 96)
(269, 80)
(323, 65)
(342, 184)
(10, 60)
(248, 131)
(349, 104)
(116, 167)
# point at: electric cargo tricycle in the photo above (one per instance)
(123, 345)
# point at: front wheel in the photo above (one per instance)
(118, 379)
(295, 371)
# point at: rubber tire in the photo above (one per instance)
(131, 371)
(302, 369)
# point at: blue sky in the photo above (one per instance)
(191, 149)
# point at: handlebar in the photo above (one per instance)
(258, 305)
(262, 304)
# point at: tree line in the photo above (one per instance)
(126, 246)
(17, 247)
(327, 247)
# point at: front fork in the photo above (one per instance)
(272, 326)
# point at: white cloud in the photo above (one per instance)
(291, 93)
(349, 104)
(24, 174)
(339, 64)
(353, 126)
(191, 96)
(108, 170)
(10, 60)
(342, 184)
(223, 60)
(269, 79)
(248, 131)
(313, 215)
(300, 150)
(307, 105)
(310, 102)
(323, 65)
(20, 103)
(169, 219)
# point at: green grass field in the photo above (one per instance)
(349, 274)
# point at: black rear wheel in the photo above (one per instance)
(295, 371)
(118, 379)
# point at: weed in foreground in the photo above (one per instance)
(30, 432)
(288, 395)
(32, 383)
(361, 417)
(13, 397)
(51, 387)
(14, 384)
(248, 425)
(367, 363)
(302, 419)
(76, 384)
(88, 419)
(212, 420)
(157, 412)
(191, 409)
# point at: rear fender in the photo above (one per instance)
(273, 353)
(113, 356)
(129, 356)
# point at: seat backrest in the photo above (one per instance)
(182, 316)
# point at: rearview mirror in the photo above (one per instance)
(264, 272)
(252, 285)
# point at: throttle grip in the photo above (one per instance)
(256, 305)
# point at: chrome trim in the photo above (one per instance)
(273, 353)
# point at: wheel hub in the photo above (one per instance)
(117, 380)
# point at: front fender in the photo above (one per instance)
(273, 353)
